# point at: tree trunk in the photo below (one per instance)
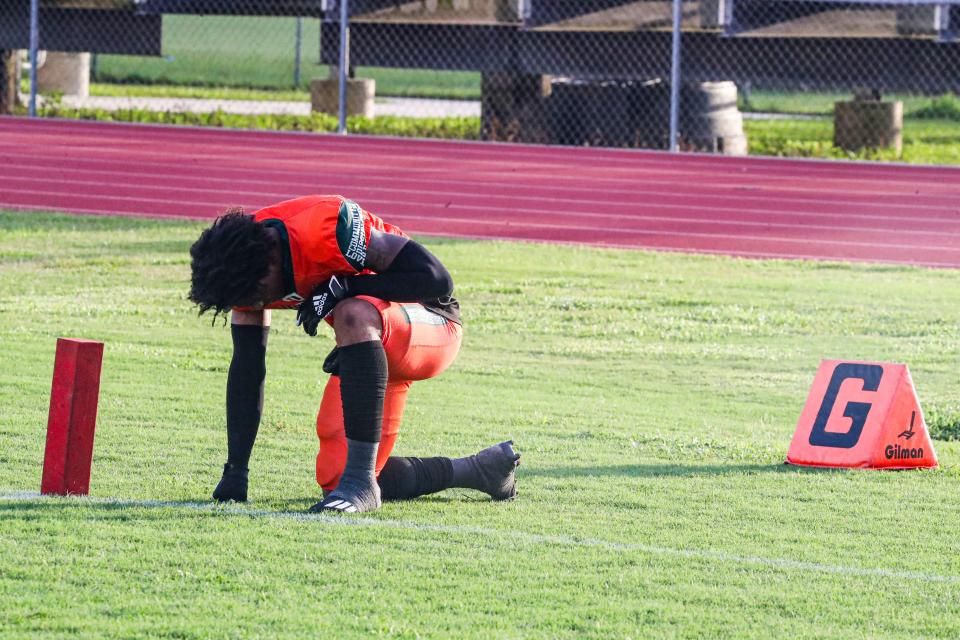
(9, 81)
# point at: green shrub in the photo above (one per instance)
(946, 107)
(448, 128)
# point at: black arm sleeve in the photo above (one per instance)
(245, 391)
(415, 275)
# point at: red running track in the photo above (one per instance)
(737, 206)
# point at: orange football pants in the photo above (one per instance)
(419, 345)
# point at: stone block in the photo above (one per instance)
(868, 124)
(65, 72)
(325, 96)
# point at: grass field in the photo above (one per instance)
(822, 103)
(239, 51)
(653, 397)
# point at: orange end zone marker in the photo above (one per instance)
(862, 414)
(73, 417)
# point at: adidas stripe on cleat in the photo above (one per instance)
(334, 504)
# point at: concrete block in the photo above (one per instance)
(66, 73)
(325, 96)
(868, 124)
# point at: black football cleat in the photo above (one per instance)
(232, 486)
(494, 471)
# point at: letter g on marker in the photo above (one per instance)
(870, 374)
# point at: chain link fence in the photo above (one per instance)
(260, 52)
(874, 79)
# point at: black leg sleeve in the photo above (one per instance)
(245, 391)
(363, 385)
(407, 478)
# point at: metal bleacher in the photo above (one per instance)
(735, 16)
(761, 42)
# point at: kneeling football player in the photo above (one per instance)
(390, 304)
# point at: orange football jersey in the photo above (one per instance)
(325, 235)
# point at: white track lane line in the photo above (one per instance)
(630, 177)
(510, 238)
(442, 182)
(280, 189)
(691, 165)
(601, 174)
(722, 557)
(892, 244)
(608, 245)
(463, 189)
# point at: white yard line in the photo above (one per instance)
(517, 536)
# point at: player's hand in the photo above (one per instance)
(318, 306)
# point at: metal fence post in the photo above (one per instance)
(296, 54)
(675, 75)
(34, 53)
(344, 65)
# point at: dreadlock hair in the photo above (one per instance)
(228, 261)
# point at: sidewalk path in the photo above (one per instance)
(405, 107)
(408, 107)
